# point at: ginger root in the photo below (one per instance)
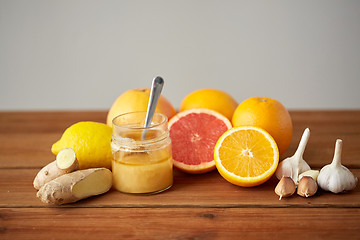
(75, 186)
(65, 162)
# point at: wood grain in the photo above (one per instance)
(195, 207)
(175, 223)
(45, 122)
(326, 127)
(26, 138)
(193, 191)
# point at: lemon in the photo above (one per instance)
(91, 143)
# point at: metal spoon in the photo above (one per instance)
(156, 87)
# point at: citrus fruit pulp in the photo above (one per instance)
(212, 99)
(246, 156)
(194, 134)
(268, 114)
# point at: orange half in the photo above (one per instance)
(246, 156)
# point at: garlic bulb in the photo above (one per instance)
(295, 165)
(335, 177)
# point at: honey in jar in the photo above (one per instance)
(142, 163)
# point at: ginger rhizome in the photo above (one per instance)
(75, 186)
(65, 162)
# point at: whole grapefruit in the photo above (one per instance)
(212, 99)
(268, 114)
(135, 100)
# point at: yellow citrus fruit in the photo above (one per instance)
(135, 100)
(212, 99)
(91, 143)
(246, 156)
(268, 114)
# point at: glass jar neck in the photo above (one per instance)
(128, 131)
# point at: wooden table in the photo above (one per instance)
(196, 207)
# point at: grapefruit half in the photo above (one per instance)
(194, 134)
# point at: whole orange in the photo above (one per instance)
(212, 99)
(268, 114)
(137, 100)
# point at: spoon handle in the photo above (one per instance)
(156, 88)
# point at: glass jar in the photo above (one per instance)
(141, 164)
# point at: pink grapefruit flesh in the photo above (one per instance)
(194, 134)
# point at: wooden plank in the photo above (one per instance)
(175, 223)
(54, 121)
(45, 121)
(32, 150)
(26, 138)
(326, 127)
(194, 191)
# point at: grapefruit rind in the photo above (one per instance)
(205, 166)
(246, 181)
(195, 169)
(200, 110)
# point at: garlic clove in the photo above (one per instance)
(335, 177)
(307, 187)
(295, 165)
(310, 173)
(285, 188)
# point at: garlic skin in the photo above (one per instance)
(335, 177)
(295, 165)
(285, 188)
(310, 173)
(307, 187)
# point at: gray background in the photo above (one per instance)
(57, 55)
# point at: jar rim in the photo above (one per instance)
(163, 121)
